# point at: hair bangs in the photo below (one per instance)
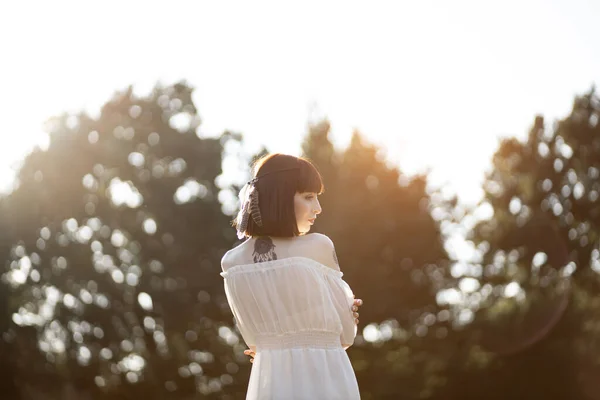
(309, 178)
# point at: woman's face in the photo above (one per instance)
(307, 207)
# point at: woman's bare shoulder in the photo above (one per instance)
(231, 257)
(320, 239)
(226, 261)
(322, 250)
(316, 246)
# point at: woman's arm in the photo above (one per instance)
(357, 303)
(340, 292)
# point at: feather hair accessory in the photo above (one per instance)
(249, 204)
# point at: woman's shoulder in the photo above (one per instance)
(231, 257)
(316, 246)
(323, 250)
(319, 239)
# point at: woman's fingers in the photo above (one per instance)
(357, 303)
(250, 353)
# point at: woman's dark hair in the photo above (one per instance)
(280, 177)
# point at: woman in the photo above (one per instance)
(285, 288)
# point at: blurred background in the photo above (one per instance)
(460, 148)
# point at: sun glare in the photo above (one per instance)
(14, 151)
(417, 81)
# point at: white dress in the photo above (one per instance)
(297, 312)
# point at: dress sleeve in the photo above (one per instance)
(343, 299)
(233, 304)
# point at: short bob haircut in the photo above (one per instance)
(287, 175)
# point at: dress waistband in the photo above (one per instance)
(311, 339)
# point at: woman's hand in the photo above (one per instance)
(250, 353)
(357, 303)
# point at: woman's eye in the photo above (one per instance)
(309, 197)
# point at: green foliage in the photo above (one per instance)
(541, 245)
(116, 237)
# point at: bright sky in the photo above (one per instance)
(434, 82)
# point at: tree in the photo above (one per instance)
(391, 253)
(540, 248)
(7, 356)
(113, 264)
